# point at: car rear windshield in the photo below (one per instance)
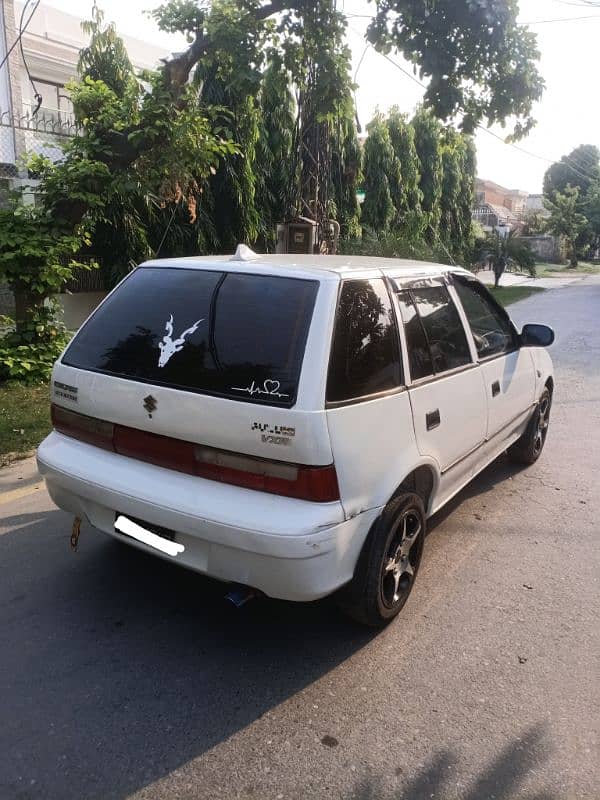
(234, 335)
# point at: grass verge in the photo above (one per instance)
(563, 271)
(511, 294)
(24, 419)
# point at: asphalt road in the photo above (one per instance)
(123, 676)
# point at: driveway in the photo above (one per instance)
(123, 676)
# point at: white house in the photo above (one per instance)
(51, 45)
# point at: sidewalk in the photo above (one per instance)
(19, 479)
(517, 279)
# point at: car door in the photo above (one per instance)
(446, 388)
(508, 370)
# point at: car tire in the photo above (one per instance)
(528, 448)
(388, 564)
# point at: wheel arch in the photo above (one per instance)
(423, 480)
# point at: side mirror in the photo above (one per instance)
(537, 336)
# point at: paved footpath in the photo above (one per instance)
(122, 676)
(518, 279)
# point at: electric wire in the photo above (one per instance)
(562, 19)
(36, 94)
(21, 31)
(564, 159)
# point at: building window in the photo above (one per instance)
(56, 104)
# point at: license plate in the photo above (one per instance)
(154, 536)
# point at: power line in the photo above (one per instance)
(36, 94)
(565, 159)
(562, 19)
(22, 30)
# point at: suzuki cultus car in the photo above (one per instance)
(288, 423)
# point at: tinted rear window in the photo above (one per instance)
(240, 336)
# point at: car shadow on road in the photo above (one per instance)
(118, 667)
(501, 780)
(500, 471)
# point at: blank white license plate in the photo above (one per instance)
(138, 531)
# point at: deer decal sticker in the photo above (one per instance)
(170, 346)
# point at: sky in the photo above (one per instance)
(568, 114)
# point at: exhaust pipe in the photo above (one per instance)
(240, 595)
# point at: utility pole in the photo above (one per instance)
(311, 229)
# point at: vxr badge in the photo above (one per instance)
(150, 404)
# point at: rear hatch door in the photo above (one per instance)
(206, 355)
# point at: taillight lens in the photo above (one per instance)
(79, 426)
(318, 484)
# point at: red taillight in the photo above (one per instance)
(160, 450)
(318, 484)
(79, 426)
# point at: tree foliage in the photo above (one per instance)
(429, 151)
(579, 169)
(276, 172)
(480, 62)
(105, 58)
(408, 195)
(171, 160)
(379, 163)
(500, 251)
(430, 186)
(565, 220)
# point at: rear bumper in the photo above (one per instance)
(289, 549)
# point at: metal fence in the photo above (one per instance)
(43, 133)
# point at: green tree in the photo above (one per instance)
(452, 163)
(500, 251)
(534, 223)
(592, 214)
(428, 134)
(105, 58)
(157, 143)
(581, 168)
(378, 162)
(408, 203)
(274, 149)
(148, 142)
(565, 220)
(467, 197)
(345, 176)
(480, 62)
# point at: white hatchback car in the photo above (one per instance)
(288, 423)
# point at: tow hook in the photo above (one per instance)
(75, 531)
(240, 595)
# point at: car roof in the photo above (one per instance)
(315, 266)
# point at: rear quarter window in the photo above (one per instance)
(235, 335)
(365, 353)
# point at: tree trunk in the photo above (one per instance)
(26, 304)
(572, 256)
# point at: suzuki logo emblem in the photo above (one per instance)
(150, 404)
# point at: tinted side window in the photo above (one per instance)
(443, 328)
(365, 356)
(419, 357)
(491, 327)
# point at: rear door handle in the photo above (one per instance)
(495, 388)
(433, 419)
